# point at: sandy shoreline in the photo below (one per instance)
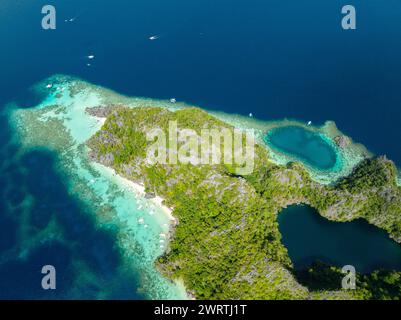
(139, 191)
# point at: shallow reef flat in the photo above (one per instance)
(60, 125)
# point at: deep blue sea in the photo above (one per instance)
(274, 58)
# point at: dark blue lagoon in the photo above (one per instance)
(304, 145)
(310, 237)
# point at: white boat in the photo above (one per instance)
(250, 115)
(49, 86)
(91, 56)
(173, 100)
(309, 123)
(153, 38)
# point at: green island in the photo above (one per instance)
(226, 243)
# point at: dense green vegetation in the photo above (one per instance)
(378, 285)
(227, 244)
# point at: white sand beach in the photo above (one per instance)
(138, 190)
